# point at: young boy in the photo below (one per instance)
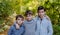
(29, 23)
(17, 28)
(44, 26)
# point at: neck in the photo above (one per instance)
(19, 24)
(41, 17)
(29, 20)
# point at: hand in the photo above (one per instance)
(17, 26)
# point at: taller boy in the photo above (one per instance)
(44, 26)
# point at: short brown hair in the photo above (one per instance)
(40, 8)
(28, 12)
(19, 16)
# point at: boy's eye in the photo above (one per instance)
(29, 15)
(18, 19)
(41, 12)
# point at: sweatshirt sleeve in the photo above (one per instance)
(23, 30)
(50, 29)
(10, 32)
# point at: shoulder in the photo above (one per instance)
(12, 27)
(48, 21)
(35, 18)
(47, 17)
(24, 22)
(22, 27)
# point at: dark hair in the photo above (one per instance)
(19, 16)
(40, 8)
(28, 12)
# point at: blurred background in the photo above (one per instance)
(10, 8)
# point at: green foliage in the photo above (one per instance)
(5, 9)
(56, 30)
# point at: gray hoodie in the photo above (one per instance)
(30, 27)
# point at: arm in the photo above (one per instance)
(10, 31)
(23, 30)
(50, 29)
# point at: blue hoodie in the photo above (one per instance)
(44, 26)
(14, 31)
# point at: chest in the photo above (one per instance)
(29, 25)
(42, 24)
(17, 31)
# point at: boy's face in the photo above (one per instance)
(19, 20)
(29, 17)
(41, 13)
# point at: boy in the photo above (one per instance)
(44, 26)
(29, 23)
(18, 28)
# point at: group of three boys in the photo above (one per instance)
(40, 25)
